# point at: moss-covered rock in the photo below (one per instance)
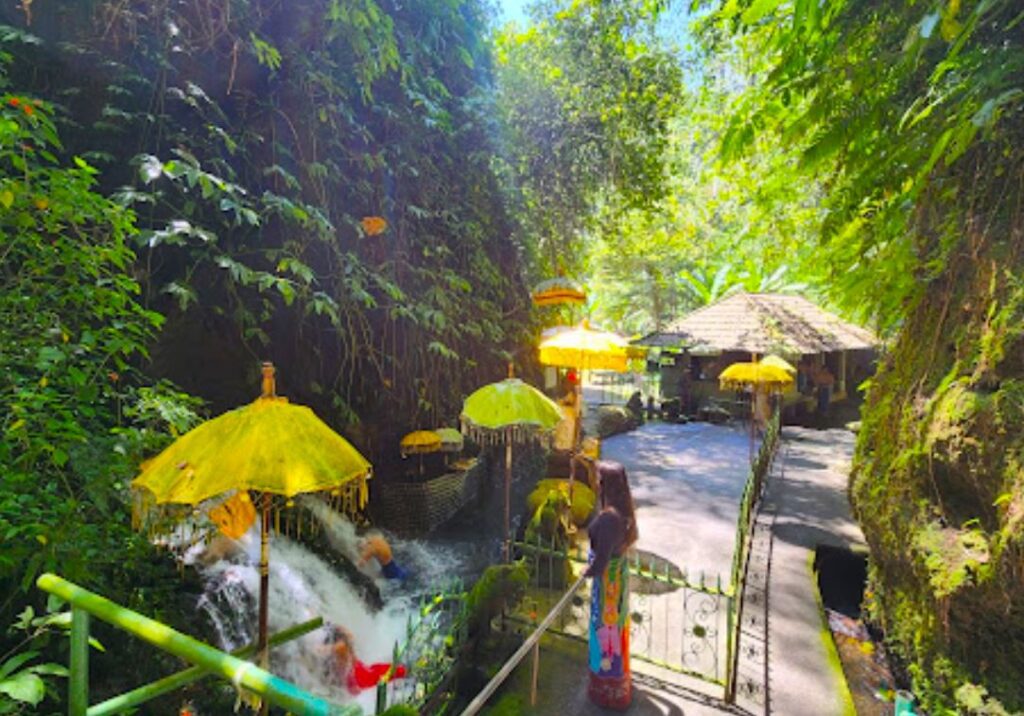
(499, 587)
(615, 419)
(938, 487)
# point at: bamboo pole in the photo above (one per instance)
(261, 639)
(243, 674)
(78, 688)
(152, 690)
(536, 670)
(506, 546)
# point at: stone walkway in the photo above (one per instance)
(809, 504)
(687, 511)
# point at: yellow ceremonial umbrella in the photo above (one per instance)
(451, 439)
(758, 378)
(557, 291)
(584, 348)
(507, 412)
(420, 443)
(270, 447)
(778, 362)
(754, 376)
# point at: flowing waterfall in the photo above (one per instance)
(303, 586)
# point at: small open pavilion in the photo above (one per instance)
(748, 326)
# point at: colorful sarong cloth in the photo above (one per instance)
(610, 681)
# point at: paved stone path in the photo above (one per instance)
(687, 481)
(810, 507)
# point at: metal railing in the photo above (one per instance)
(532, 643)
(731, 594)
(752, 493)
(206, 659)
(706, 613)
(696, 601)
(434, 635)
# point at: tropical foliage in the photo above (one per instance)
(725, 224)
(362, 190)
(585, 94)
(312, 184)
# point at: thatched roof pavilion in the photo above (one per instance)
(760, 323)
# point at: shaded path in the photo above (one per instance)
(687, 481)
(810, 507)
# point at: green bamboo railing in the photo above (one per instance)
(243, 674)
(148, 692)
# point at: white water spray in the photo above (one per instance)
(302, 586)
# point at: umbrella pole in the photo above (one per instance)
(261, 639)
(753, 419)
(577, 434)
(506, 548)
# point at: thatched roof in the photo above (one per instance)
(762, 323)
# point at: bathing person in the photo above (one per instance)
(374, 546)
(352, 672)
(611, 533)
(218, 548)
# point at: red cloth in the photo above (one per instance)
(365, 676)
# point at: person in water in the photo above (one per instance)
(611, 533)
(355, 674)
(374, 546)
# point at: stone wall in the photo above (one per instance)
(418, 508)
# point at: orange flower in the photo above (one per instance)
(14, 101)
(28, 109)
(374, 225)
(114, 377)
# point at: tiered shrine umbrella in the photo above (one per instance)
(507, 413)
(451, 442)
(420, 442)
(271, 448)
(451, 439)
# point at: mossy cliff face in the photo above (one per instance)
(938, 481)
